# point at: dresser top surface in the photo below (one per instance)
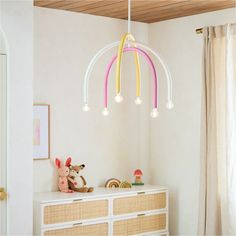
(98, 192)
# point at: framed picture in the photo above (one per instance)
(41, 132)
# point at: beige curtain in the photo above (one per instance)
(217, 212)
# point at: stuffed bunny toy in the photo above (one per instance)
(63, 172)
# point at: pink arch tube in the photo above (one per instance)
(149, 60)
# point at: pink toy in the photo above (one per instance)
(138, 177)
(63, 172)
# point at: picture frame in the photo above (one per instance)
(41, 131)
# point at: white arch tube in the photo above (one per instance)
(112, 45)
(91, 65)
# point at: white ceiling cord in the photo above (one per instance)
(129, 16)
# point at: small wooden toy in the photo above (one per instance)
(112, 183)
(125, 184)
(138, 177)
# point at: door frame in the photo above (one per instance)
(17, 20)
(4, 52)
(4, 184)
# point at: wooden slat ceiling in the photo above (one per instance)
(147, 11)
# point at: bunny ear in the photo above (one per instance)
(58, 163)
(68, 161)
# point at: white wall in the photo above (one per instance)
(113, 146)
(175, 137)
(167, 148)
(16, 20)
(3, 49)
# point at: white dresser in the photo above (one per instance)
(141, 210)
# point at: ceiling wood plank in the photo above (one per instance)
(122, 13)
(153, 8)
(42, 3)
(178, 7)
(57, 4)
(112, 5)
(148, 11)
(183, 11)
(174, 16)
(68, 4)
(99, 7)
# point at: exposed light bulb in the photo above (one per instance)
(105, 111)
(154, 113)
(138, 101)
(86, 107)
(169, 105)
(118, 98)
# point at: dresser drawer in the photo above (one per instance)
(78, 210)
(81, 230)
(139, 203)
(140, 224)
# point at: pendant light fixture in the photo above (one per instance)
(125, 45)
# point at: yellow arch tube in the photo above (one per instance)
(118, 64)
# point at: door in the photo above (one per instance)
(3, 144)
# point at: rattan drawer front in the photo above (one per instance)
(142, 202)
(86, 230)
(75, 211)
(142, 224)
